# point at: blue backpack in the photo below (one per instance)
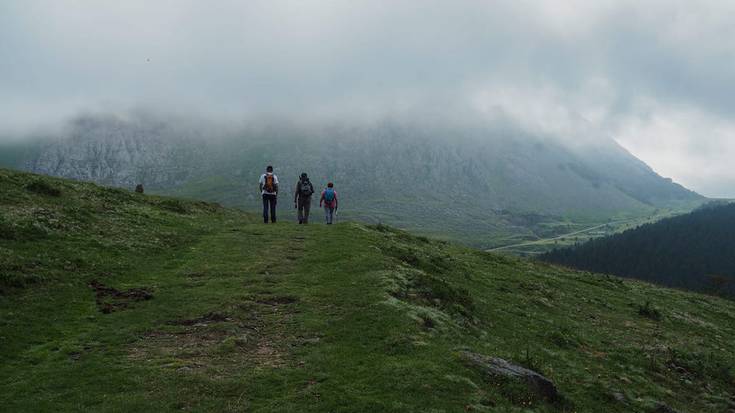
(329, 195)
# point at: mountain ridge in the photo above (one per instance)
(410, 174)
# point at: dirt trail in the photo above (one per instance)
(253, 330)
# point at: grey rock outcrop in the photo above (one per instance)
(494, 368)
(110, 151)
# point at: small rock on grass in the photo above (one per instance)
(539, 385)
(663, 408)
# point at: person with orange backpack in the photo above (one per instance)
(329, 200)
(269, 190)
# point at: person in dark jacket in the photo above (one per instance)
(302, 198)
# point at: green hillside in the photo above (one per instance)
(115, 301)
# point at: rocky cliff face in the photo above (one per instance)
(117, 152)
(483, 167)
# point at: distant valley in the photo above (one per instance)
(692, 251)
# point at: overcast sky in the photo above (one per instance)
(657, 76)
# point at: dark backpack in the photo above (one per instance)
(305, 188)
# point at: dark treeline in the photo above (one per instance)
(695, 251)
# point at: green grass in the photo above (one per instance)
(276, 318)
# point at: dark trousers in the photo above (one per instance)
(269, 204)
(304, 206)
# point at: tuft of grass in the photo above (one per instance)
(649, 311)
(175, 205)
(42, 187)
(564, 338)
(427, 321)
(7, 230)
(692, 365)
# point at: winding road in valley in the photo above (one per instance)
(558, 237)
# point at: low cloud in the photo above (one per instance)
(657, 76)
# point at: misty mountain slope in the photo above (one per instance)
(692, 251)
(475, 182)
(117, 301)
(112, 151)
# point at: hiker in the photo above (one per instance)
(269, 189)
(302, 198)
(329, 199)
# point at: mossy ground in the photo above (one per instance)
(259, 318)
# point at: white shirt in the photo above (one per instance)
(262, 182)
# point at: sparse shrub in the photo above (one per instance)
(398, 345)
(441, 261)
(406, 237)
(410, 258)
(439, 293)
(18, 279)
(427, 322)
(564, 339)
(518, 393)
(649, 311)
(228, 345)
(422, 239)
(529, 361)
(42, 187)
(174, 205)
(7, 231)
(209, 206)
(703, 366)
(380, 227)
(22, 231)
(420, 258)
(116, 193)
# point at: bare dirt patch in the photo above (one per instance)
(110, 299)
(219, 344)
(203, 320)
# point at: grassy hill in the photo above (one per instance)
(115, 301)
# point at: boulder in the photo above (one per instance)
(618, 397)
(663, 408)
(494, 368)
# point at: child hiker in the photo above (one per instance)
(329, 200)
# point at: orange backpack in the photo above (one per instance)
(269, 185)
